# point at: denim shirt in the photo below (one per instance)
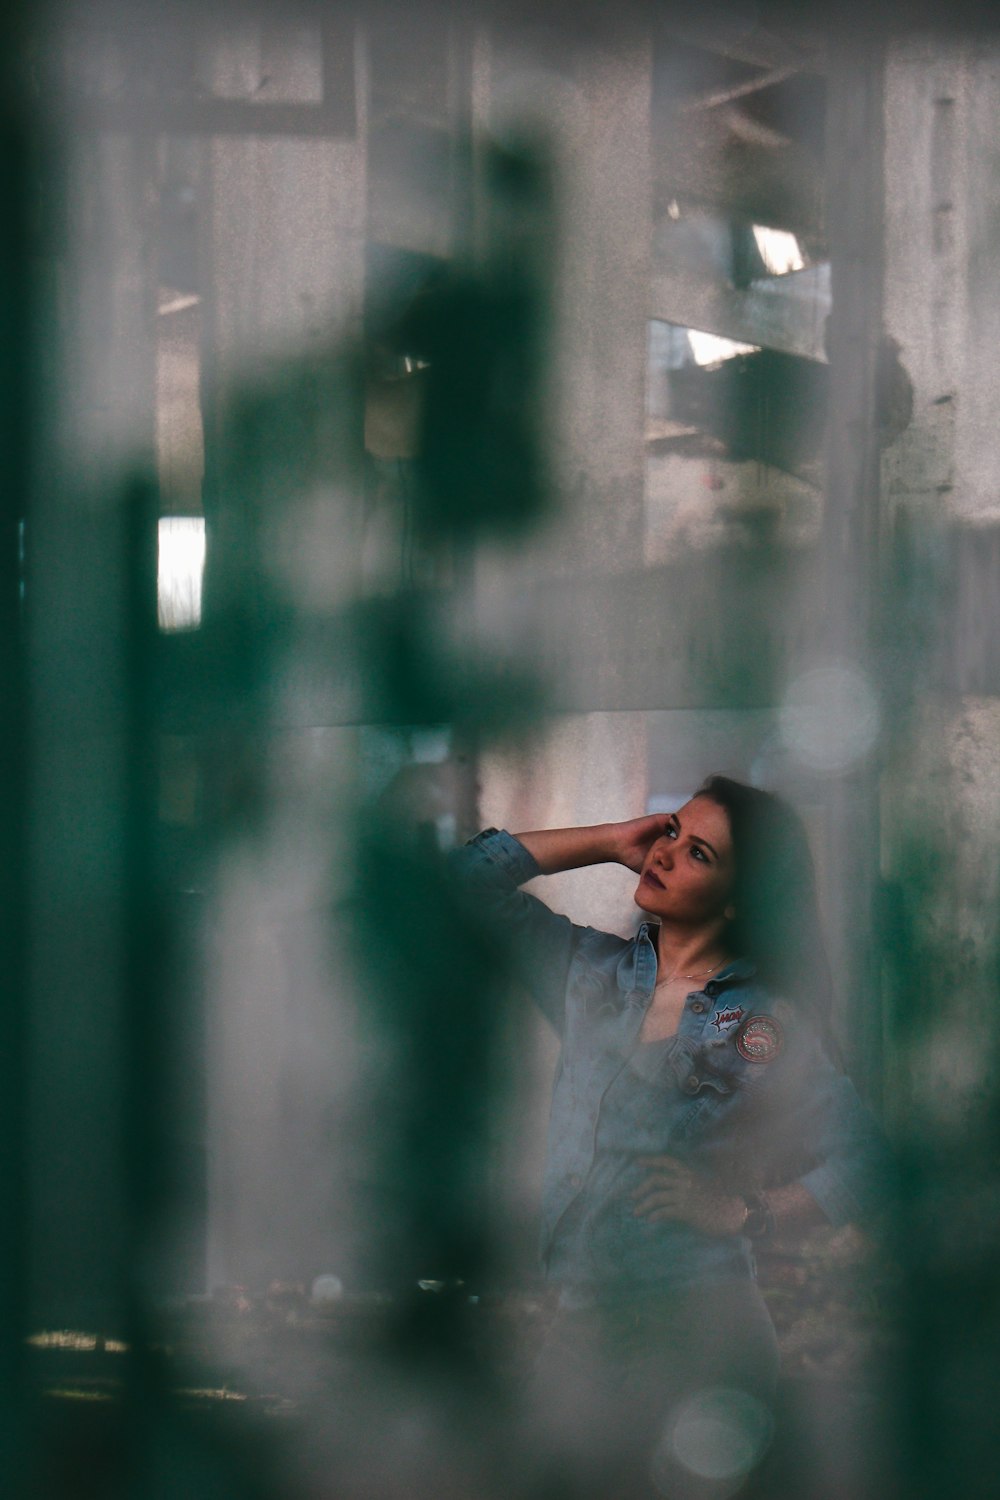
(746, 1124)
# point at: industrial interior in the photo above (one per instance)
(423, 418)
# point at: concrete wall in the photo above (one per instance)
(285, 236)
(941, 791)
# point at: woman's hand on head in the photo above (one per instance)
(672, 1192)
(633, 838)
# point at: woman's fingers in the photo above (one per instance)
(657, 1182)
(659, 1200)
(665, 1175)
(669, 1174)
(658, 1190)
(664, 1164)
(667, 1190)
(657, 1203)
(635, 836)
(665, 1198)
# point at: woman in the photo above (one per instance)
(695, 1109)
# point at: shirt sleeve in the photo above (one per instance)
(813, 1129)
(852, 1177)
(538, 943)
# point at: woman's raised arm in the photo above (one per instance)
(625, 844)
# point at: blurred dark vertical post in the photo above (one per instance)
(852, 516)
(18, 431)
(147, 1038)
(466, 171)
(78, 606)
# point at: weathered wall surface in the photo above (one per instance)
(284, 244)
(591, 110)
(941, 797)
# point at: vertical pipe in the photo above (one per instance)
(147, 1042)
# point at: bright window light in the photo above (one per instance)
(779, 250)
(181, 564)
(708, 349)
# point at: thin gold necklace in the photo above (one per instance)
(698, 974)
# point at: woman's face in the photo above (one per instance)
(687, 875)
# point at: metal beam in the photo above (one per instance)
(714, 97)
(787, 312)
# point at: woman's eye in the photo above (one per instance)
(699, 854)
(671, 831)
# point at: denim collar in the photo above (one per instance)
(637, 965)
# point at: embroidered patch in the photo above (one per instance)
(760, 1039)
(727, 1018)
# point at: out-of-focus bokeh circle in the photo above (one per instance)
(718, 1434)
(326, 1289)
(829, 718)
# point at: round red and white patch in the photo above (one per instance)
(760, 1039)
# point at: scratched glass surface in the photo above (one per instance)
(419, 421)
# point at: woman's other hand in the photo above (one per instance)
(632, 839)
(672, 1191)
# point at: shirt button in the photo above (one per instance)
(697, 1006)
(692, 1084)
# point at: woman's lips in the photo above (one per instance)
(653, 879)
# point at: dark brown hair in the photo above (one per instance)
(777, 923)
